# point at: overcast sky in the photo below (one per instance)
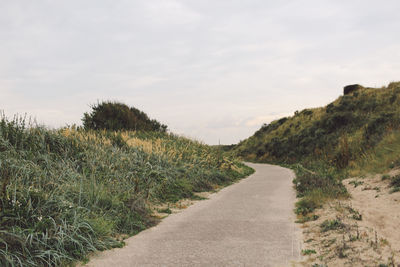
(209, 69)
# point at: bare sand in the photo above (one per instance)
(370, 232)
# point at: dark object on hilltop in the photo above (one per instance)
(118, 116)
(351, 88)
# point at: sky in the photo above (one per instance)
(212, 70)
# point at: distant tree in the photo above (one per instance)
(118, 116)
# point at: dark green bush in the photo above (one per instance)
(117, 116)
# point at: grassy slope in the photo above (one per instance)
(356, 134)
(65, 193)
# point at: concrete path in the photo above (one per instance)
(250, 223)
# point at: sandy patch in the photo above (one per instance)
(345, 240)
(361, 231)
(379, 207)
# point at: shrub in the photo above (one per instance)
(395, 183)
(308, 252)
(328, 225)
(305, 206)
(117, 116)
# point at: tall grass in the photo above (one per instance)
(356, 134)
(67, 192)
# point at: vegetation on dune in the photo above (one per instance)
(117, 116)
(67, 192)
(356, 134)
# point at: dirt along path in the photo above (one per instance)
(250, 223)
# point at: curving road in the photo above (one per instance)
(250, 223)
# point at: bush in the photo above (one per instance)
(395, 181)
(331, 225)
(117, 116)
(306, 206)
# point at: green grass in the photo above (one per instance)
(355, 135)
(304, 219)
(356, 183)
(166, 210)
(315, 188)
(308, 251)
(355, 214)
(68, 192)
(329, 225)
(395, 181)
(395, 184)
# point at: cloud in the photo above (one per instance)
(215, 70)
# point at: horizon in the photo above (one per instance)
(214, 72)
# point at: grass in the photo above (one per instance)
(304, 219)
(329, 225)
(308, 251)
(355, 214)
(314, 188)
(355, 135)
(356, 183)
(166, 210)
(68, 192)
(395, 181)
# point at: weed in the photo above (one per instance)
(384, 242)
(330, 242)
(166, 210)
(197, 197)
(341, 252)
(308, 251)
(394, 190)
(356, 183)
(355, 214)
(328, 225)
(395, 181)
(353, 238)
(305, 206)
(307, 218)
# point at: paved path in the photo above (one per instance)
(249, 223)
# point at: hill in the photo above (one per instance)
(342, 134)
(65, 193)
(357, 136)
